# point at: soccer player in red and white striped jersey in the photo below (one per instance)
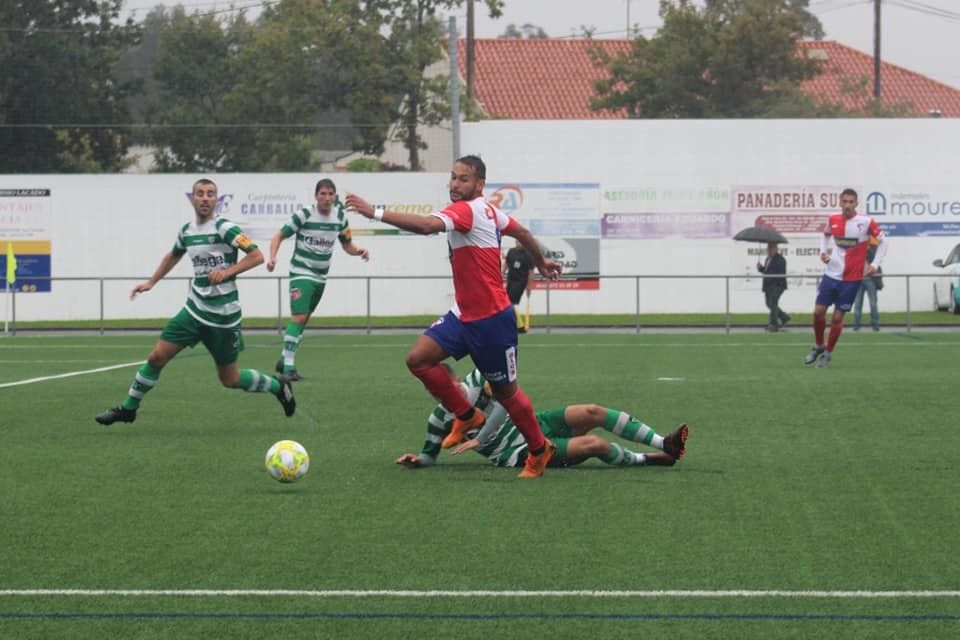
(482, 322)
(843, 249)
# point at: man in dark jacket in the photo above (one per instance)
(518, 267)
(774, 284)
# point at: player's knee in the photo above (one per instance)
(229, 379)
(157, 360)
(596, 413)
(595, 445)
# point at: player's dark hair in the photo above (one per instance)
(324, 182)
(202, 181)
(475, 163)
(850, 192)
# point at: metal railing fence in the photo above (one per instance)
(547, 288)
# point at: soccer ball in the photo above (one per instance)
(287, 461)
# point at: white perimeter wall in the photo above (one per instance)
(119, 226)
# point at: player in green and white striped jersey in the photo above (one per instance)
(316, 230)
(567, 427)
(211, 314)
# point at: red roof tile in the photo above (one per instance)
(547, 79)
(841, 63)
(537, 79)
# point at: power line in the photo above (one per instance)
(848, 4)
(930, 10)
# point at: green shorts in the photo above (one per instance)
(305, 295)
(556, 429)
(224, 345)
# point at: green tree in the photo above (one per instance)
(525, 31)
(416, 41)
(61, 105)
(237, 96)
(721, 59)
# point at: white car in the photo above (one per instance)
(946, 286)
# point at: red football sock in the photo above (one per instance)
(438, 382)
(836, 328)
(819, 325)
(521, 412)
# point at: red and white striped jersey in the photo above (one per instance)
(850, 239)
(473, 232)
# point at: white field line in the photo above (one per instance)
(70, 374)
(390, 593)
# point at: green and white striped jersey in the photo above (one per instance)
(501, 441)
(317, 234)
(213, 245)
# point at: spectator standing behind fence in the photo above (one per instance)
(773, 287)
(870, 285)
(518, 267)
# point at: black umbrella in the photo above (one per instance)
(760, 234)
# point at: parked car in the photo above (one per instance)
(946, 286)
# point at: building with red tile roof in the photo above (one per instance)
(552, 79)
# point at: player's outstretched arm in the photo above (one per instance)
(548, 268)
(469, 445)
(168, 262)
(275, 241)
(355, 250)
(412, 222)
(412, 461)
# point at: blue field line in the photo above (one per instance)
(739, 617)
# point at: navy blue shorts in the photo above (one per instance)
(840, 293)
(491, 343)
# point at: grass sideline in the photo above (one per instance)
(797, 478)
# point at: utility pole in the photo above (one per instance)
(876, 50)
(454, 87)
(628, 18)
(469, 61)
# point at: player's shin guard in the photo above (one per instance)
(257, 382)
(291, 342)
(836, 328)
(145, 379)
(626, 426)
(521, 412)
(621, 456)
(819, 325)
(438, 382)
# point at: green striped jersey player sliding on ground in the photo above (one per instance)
(212, 312)
(567, 427)
(316, 231)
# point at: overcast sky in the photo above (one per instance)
(921, 35)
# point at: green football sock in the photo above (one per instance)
(626, 426)
(144, 380)
(257, 382)
(291, 342)
(621, 456)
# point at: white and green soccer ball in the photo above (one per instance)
(287, 461)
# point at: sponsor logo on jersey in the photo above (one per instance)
(846, 243)
(318, 243)
(208, 262)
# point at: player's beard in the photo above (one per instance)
(456, 196)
